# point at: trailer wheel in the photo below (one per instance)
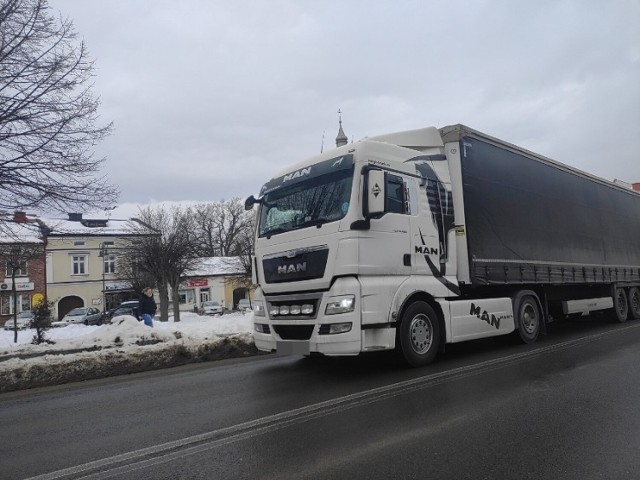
(528, 316)
(418, 335)
(620, 304)
(634, 303)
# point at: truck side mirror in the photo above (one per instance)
(375, 192)
(250, 202)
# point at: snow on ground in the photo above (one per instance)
(191, 326)
(124, 339)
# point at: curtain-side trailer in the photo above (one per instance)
(412, 240)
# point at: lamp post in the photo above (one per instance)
(104, 252)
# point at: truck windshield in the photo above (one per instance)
(311, 202)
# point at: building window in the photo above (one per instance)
(79, 264)
(78, 243)
(110, 264)
(186, 296)
(21, 271)
(6, 304)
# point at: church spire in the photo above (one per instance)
(341, 139)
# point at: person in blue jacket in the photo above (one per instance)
(147, 306)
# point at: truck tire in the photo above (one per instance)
(620, 304)
(527, 316)
(418, 336)
(634, 303)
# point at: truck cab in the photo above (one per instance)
(345, 239)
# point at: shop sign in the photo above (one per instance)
(20, 286)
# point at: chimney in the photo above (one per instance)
(20, 217)
(75, 217)
(636, 186)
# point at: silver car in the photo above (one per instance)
(244, 305)
(211, 308)
(23, 320)
(85, 315)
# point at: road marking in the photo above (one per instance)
(165, 452)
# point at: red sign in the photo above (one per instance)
(202, 282)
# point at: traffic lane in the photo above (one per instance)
(86, 422)
(570, 413)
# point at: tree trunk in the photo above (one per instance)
(163, 293)
(176, 301)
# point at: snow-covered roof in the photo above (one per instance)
(88, 227)
(212, 266)
(20, 233)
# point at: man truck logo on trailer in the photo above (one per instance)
(293, 268)
(298, 174)
(490, 318)
(424, 250)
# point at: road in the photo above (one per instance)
(566, 407)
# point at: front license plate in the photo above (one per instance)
(293, 348)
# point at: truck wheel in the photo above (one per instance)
(620, 304)
(418, 335)
(528, 317)
(634, 302)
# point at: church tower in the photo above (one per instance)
(341, 139)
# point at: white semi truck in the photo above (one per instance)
(416, 239)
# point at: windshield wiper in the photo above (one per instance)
(318, 222)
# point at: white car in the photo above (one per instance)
(23, 320)
(211, 308)
(244, 305)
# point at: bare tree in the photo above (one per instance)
(130, 269)
(48, 115)
(220, 227)
(164, 249)
(244, 250)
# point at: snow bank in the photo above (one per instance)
(125, 345)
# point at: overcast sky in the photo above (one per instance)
(210, 98)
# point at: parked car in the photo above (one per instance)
(131, 304)
(126, 310)
(244, 304)
(130, 307)
(23, 320)
(86, 315)
(211, 307)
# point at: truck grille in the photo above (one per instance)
(295, 265)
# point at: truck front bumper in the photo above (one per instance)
(319, 332)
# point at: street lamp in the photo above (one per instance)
(104, 252)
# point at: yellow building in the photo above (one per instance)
(81, 263)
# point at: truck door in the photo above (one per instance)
(385, 247)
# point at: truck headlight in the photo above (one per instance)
(342, 304)
(258, 308)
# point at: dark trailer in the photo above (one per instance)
(532, 220)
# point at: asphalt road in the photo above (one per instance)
(565, 408)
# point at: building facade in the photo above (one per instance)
(222, 279)
(81, 263)
(22, 262)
